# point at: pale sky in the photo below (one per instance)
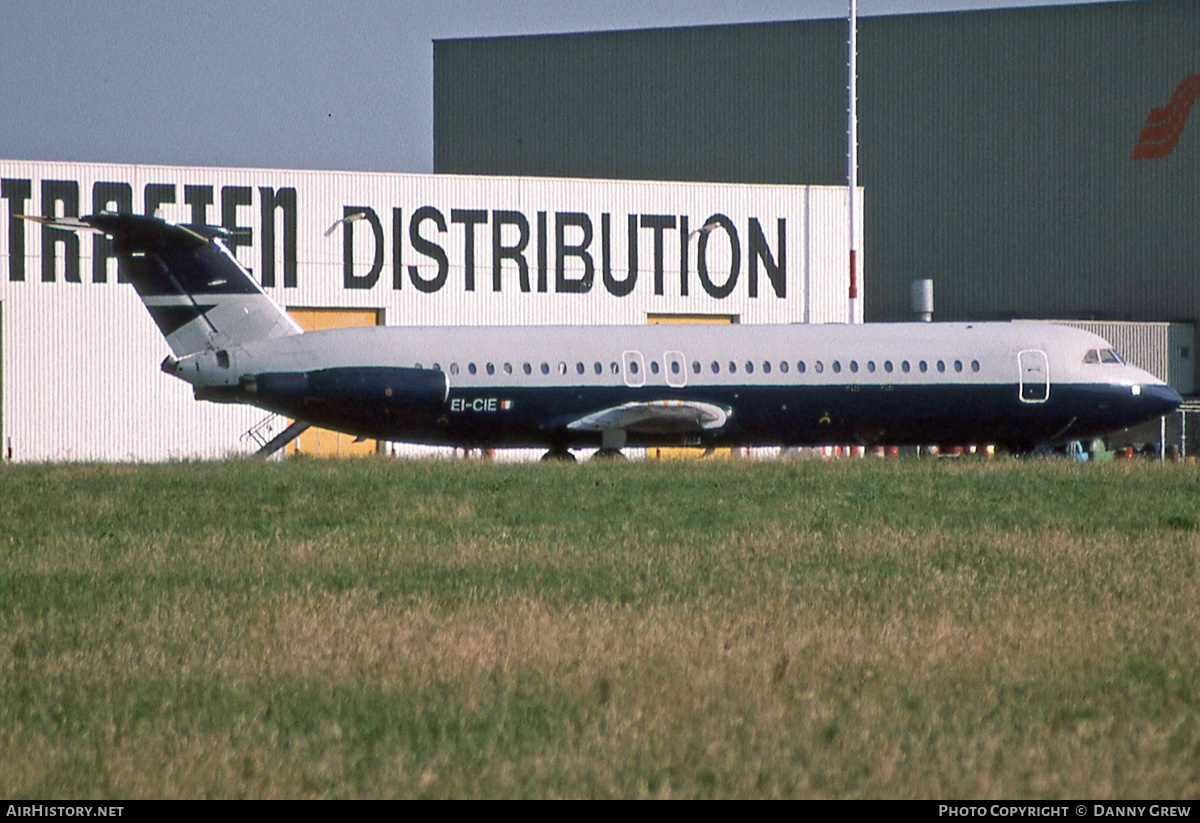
(301, 84)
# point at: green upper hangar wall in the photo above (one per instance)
(996, 147)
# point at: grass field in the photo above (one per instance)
(447, 629)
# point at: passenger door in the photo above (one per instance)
(1034, 371)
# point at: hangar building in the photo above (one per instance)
(1034, 162)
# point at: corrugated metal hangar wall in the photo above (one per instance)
(79, 355)
(996, 147)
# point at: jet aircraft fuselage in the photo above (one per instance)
(1014, 384)
(1017, 384)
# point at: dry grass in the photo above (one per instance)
(448, 630)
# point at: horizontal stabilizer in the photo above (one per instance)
(64, 223)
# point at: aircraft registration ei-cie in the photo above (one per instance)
(1014, 384)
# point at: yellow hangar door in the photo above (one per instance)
(323, 442)
(684, 452)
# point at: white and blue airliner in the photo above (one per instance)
(1017, 385)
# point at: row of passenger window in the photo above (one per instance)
(835, 366)
(732, 367)
(527, 368)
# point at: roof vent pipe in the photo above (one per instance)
(921, 299)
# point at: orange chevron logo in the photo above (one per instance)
(1163, 126)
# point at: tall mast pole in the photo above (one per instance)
(852, 158)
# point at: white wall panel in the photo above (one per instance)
(81, 382)
(80, 356)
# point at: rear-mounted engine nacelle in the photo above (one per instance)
(381, 394)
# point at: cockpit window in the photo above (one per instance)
(1103, 356)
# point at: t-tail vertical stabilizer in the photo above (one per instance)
(196, 291)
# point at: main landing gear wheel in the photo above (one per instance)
(612, 440)
(558, 455)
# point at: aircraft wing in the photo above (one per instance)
(655, 417)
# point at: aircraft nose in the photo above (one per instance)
(1160, 399)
